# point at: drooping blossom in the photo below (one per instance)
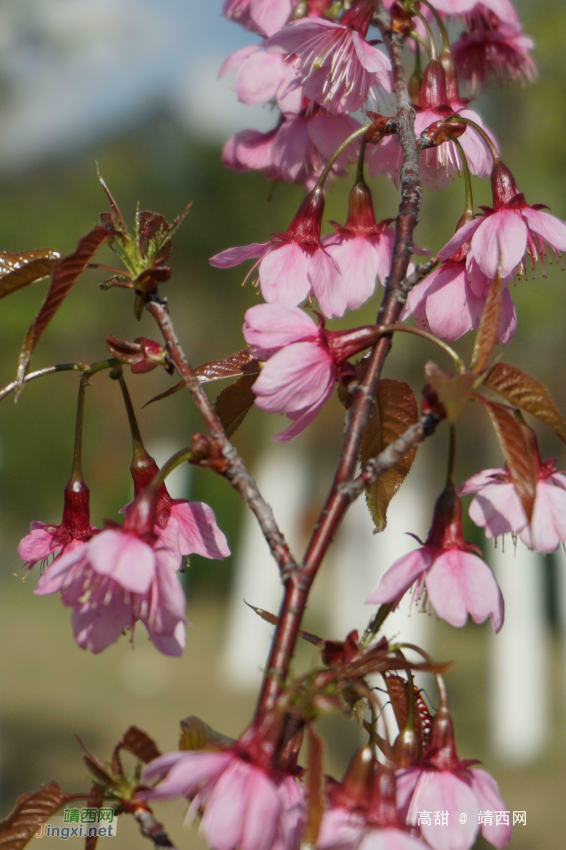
(267, 16)
(496, 507)
(246, 804)
(294, 264)
(121, 575)
(296, 150)
(262, 77)
(443, 783)
(362, 248)
(337, 67)
(457, 581)
(450, 301)
(302, 361)
(507, 231)
(496, 50)
(503, 8)
(73, 532)
(185, 527)
(439, 164)
(362, 811)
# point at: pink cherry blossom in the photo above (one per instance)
(296, 150)
(267, 16)
(505, 233)
(439, 164)
(262, 76)
(457, 581)
(337, 67)
(497, 507)
(494, 51)
(362, 248)
(294, 264)
(300, 374)
(450, 302)
(183, 527)
(122, 575)
(348, 830)
(456, 789)
(244, 806)
(73, 532)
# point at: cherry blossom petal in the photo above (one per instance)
(462, 235)
(283, 274)
(548, 227)
(358, 261)
(124, 558)
(400, 576)
(459, 583)
(500, 240)
(327, 284)
(234, 256)
(97, 628)
(296, 377)
(444, 791)
(271, 326)
(198, 530)
(488, 796)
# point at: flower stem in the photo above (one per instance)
(489, 142)
(467, 181)
(76, 473)
(137, 441)
(433, 51)
(451, 457)
(441, 27)
(361, 159)
(182, 456)
(458, 362)
(328, 167)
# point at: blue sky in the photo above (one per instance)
(81, 68)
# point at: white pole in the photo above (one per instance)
(519, 697)
(282, 479)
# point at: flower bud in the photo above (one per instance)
(433, 91)
(400, 19)
(142, 354)
(442, 131)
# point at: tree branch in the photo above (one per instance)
(151, 829)
(235, 471)
(299, 581)
(390, 456)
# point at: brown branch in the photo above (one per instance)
(390, 456)
(420, 272)
(151, 829)
(235, 471)
(299, 581)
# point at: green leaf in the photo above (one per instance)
(453, 391)
(516, 449)
(63, 277)
(21, 825)
(397, 410)
(20, 270)
(527, 393)
(490, 324)
(198, 735)
(234, 402)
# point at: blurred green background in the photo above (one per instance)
(50, 688)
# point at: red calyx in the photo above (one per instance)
(305, 227)
(447, 62)
(75, 524)
(358, 17)
(446, 529)
(361, 215)
(143, 469)
(141, 516)
(503, 186)
(382, 811)
(345, 344)
(433, 90)
(355, 789)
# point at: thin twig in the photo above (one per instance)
(390, 456)
(82, 368)
(420, 272)
(151, 829)
(236, 471)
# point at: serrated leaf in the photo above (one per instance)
(198, 735)
(240, 363)
(516, 449)
(234, 402)
(273, 619)
(398, 689)
(63, 277)
(314, 783)
(527, 393)
(397, 410)
(115, 217)
(20, 270)
(30, 810)
(96, 767)
(452, 390)
(490, 324)
(95, 800)
(139, 744)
